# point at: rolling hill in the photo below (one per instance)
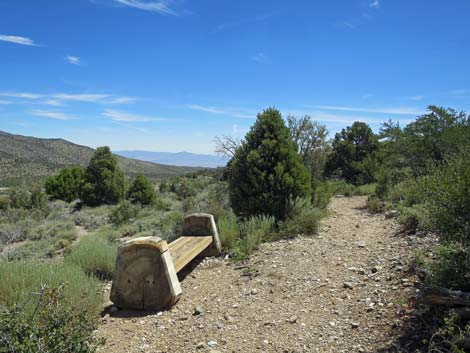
(179, 158)
(24, 159)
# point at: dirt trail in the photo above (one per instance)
(341, 291)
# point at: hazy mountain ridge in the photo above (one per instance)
(176, 158)
(25, 159)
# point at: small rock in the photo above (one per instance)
(354, 324)
(293, 319)
(212, 343)
(391, 214)
(361, 244)
(198, 310)
(105, 319)
(254, 291)
(376, 269)
(348, 285)
(200, 345)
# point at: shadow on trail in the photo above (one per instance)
(415, 332)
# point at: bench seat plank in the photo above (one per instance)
(185, 249)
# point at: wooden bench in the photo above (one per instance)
(145, 275)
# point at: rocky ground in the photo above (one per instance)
(345, 290)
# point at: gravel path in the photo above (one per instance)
(344, 290)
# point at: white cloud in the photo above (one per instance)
(17, 40)
(459, 93)
(53, 103)
(393, 110)
(57, 99)
(93, 98)
(24, 95)
(416, 98)
(122, 100)
(375, 4)
(340, 118)
(52, 114)
(223, 111)
(74, 60)
(154, 6)
(127, 117)
(259, 57)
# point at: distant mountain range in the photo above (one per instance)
(186, 159)
(25, 159)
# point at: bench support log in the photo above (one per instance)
(145, 275)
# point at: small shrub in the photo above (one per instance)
(89, 220)
(55, 326)
(162, 204)
(340, 187)
(365, 190)
(18, 198)
(189, 205)
(451, 267)
(447, 190)
(11, 233)
(141, 191)
(253, 231)
(413, 218)
(375, 205)
(171, 225)
(322, 195)
(57, 230)
(58, 211)
(123, 213)
(128, 230)
(183, 188)
(95, 254)
(303, 219)
(451, 336)
(30, 250)
(228, 230)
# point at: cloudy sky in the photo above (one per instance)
(170, 75)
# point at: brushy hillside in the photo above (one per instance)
(25, 159)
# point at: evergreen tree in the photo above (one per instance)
(352, 157)
(266, 170)
(141, 191)
(66, 185)
(104, 180)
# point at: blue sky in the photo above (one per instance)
(171, 75)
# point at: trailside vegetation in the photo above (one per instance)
(104, 181)
(266, 170)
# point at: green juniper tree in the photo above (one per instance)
(353, 157)
(104, 181)
(141, 191)
(266, 170)
(66, 185)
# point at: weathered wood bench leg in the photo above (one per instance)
(144, 276)
(203, 224)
